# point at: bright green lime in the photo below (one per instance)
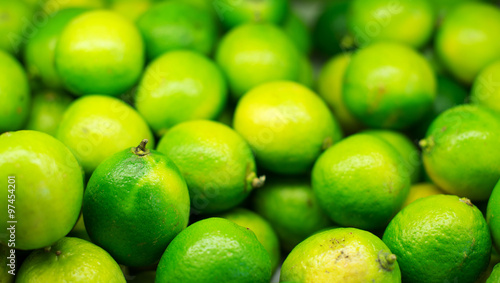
(495, 275)
(233, 13)
(493, 215)
(298, 32)
(486, 87)
(15, 24)
(47, 109)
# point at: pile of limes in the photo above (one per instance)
(249, 141)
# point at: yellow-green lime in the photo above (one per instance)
(70, 260)
(493, 215)
(421, 190)
(54, 6)
(291, 208)
(461, 151)
(99, 52)
(174, 25)
(232, 13)
(216, 162)
(287, 125)
(180, 86)
(95, 127)
(13, 26)
(486, 88)
(306, 74)
(215, 250)
(470, 28)
(43, 182)
(130, 9)
(261, 228)
(443, 7)
(135, 203)
(79, 230)
(298, 32)
(360, 182)
(388, 85)
(440, 238)
(252, 54)
(330, 34)
(14, 94)
(341, 255)
(47, 109)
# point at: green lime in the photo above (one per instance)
(47, 109)
(495, 275)
(138, 188)
(70, 260)
(233, 13)
(130, 9)
(360, 182)
(99, 52)
(421, 190)
(215, 250)
(79, 230)
(253, 54)
(341, 255)
(174, 25)
(180, 86)
(15, 25)
(14, 94)
(43, 187)
(409, 22)
(216, 162)
(298, 32)
(443, 7)
(405, 147)
(95, 127)
(440, 238)
(388, 85)
(291, 208)
(471, 28)
(40, 49)
(306, 73)
(461, 151)
(330, 86)
(8, 261)
(330, 32)
(261, 228)
(486, 88)
(493, 210)
(53, 6)
(287, 126)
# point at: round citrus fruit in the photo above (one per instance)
(495, 275)
(443, 7)
(409, 22)
(360, 182)
(388, 85)
(99, 52)
(291, 208)
(253, 54)
(130, 9)
(47, 109)
(215, 250)
(233, 13)
(70, 260)
(470, 28)
(330, 34)
(261, 228)
(461, 151)
(421, 190)
(440, 238)
(180, 86)
(493, 215)
(176, 25)
(13, 25)
(341, 255)
(287, 126)
(14, 94)
(135, 203)
(298, 32)
(216, 162)
(486, 87)
(43, 189)
(95, 127)
(40, 49)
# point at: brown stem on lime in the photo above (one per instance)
(141, 148)
(467, 202)
(258, 182)
(58, 253)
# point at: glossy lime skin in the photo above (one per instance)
(48, 188)
(439, 238)
(410, 22)
(14, 94)
(486, 90)
(176, 25)
(180, 86)
(99, 52)
(253, 54)
(495, 275)
(95, 127)
(287, 125)
(78, 261)
(232, 14)
(330, 34)
(493, 215)
(216, 162)
(471, 28)
(298, 32)
(291, 208)
(215, 250)
(47, 110)
(261, 228)
(340, 255)
(388, 85)
(360, 182)
(461, 151)
(40, 49)
(135, 205)
(12, 25)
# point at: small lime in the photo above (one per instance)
(486, 87)
(47, 109)
(421, 190)
(298, 32)
(233, 13)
